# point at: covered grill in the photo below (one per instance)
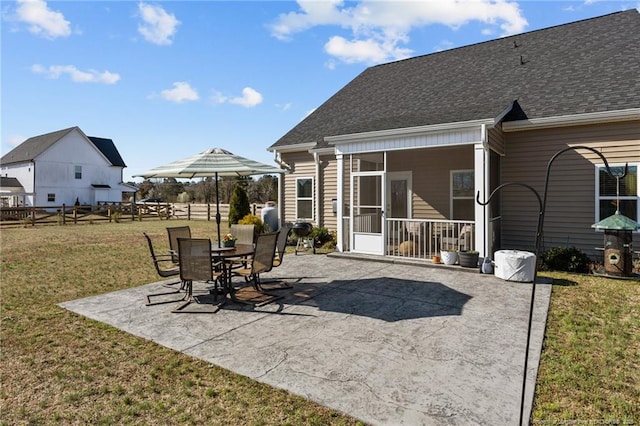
(302, 231)
(618, 244)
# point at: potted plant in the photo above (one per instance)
(449, 257)
(469, 259)
(228, 240)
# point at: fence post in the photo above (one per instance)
(189, 211)
(33, 216)
(133, 211)
(64, 214)
(109, 213)
(208, 212)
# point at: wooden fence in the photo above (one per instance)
(111, 212)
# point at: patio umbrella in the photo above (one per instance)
(213, 162)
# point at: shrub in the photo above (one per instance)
(568, 259)
(251, 219)
(238, 205)
(321, 235)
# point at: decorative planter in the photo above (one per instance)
(435, 259)
(468, 259)
(449, 257)
(228, 243)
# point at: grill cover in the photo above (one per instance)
(515, 265)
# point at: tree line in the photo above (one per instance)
(170, 190)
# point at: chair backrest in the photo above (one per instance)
(265, 253)
(281, 244)
(244, 233)
(156, 261)
(174, 233)
(195, 259)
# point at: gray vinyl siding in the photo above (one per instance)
(431, 175)
(570, 209)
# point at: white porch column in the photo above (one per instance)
(481, 179)
(340, 201)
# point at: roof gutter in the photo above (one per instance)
(301, 147)
(408, 131)
(631, 114)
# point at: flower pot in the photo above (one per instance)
(228, 244)
(449, 257)
(435, 259)
(468, 259)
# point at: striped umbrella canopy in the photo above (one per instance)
(213, 162)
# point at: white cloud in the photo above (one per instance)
(369, 51)
(77, 76)
(181, 92)
(15, 140)
(250, 98)
(42, 20)
(158, 26)
(284, 107)
(379, 29)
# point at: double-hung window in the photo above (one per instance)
(608, 193)
(304, 198)
(462, 197)
(78, 172)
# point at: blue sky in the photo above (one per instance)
(168, 79)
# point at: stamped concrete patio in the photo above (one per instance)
(387, 343)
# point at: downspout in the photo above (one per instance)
(486, 188)
(316, 159)
(283, 165)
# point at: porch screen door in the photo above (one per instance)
(367, 212)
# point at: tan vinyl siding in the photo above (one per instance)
(431, 176)
(329, 174)
(570, 209)
(302, 165)
(496, 140)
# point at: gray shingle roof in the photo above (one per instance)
(586, 66)
(32, 147)
(9, 182)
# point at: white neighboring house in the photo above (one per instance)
(62, 167)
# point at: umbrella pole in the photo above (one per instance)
(218, 210)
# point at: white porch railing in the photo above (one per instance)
(421, 238)
(424, 238)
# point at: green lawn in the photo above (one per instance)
(58, 367)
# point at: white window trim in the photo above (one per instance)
(596, 192)
(76, 171)
(312, 198)
(451, 197)
(48, 197)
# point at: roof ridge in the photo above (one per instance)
(506, 37)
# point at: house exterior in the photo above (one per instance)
(61, 167)
(393, 161)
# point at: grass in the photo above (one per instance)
(58, 367)
(590, 362)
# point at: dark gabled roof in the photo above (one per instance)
(109, 150)
(32, 147)
(9, 182)
(586, 66)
